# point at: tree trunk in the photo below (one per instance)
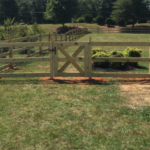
(133, 25)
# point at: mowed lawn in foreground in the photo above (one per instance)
(61, 116)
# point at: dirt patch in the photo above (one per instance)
(136, 91)
(77, 80)
(14, 68)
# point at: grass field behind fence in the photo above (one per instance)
(54, 116)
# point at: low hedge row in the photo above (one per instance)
(129, 52)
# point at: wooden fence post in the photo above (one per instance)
(72, 35)
(97, 30)
(149, 57)
(40, 39)
(86, 61)
(69, 36)
(90, 60)
(55, 36)
(61, 36)
(28, 50)
(90, 39)
(51, 60)
(11, 52)
(65, 37)
(55, 54)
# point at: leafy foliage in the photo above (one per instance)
(116, 54)
(94, 20)
(81, 20)
(97, 49)
(98, 52)
(99, 20)
(109, 21)
(132, 52)
(142, 21)
(74, 21)
(61, 10)
(130, 9)
(88, 18)
(121, 23)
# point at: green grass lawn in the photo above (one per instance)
(55, 116)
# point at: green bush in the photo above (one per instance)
(81, 20)
(97, 49)
(121, 23)
(22, 30)
(142, 21)
(132, 52)
(88, 18)
(148, 21)
(116, 54)
(128, 22)
(109, 21)
(94, 20)
(74, 21)
(99, 20)
(101, 54)
(25, 51)
(36, 29)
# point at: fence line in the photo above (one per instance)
(75, 33)
(87, 59)
(137, 30)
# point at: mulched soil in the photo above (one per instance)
(14, 68)
(122, 68)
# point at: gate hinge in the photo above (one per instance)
(53, 50)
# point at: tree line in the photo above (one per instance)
(63, 11)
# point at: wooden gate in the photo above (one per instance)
(54, 60)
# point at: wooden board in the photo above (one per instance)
(13, 75)
(28, 44)
(78, 59)
(15, 60)
(55, 60)
(86, 61)
(68, 62)
(70, 59)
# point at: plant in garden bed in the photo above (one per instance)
(101, 53)
(132, 52)
(97, 49)
(116, 54)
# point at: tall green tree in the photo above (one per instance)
(61, 10)
(8, 9)
(106, 8)
(130, 9)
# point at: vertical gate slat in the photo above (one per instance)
(86, 59)
(90, 60)
(55, 60)
(51, 60)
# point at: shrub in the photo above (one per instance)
(101, 64)
(97, 49)
(128, 22)
(94, 20)
(74, 21)
(121, 23)
(99, 20)
(109, 21)
(148, 21)
(142, 21)
(116, 54)
(88, 18)
(36, 29)
(22, 30)
(81, 20)
(132, 52)
(25, 51)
